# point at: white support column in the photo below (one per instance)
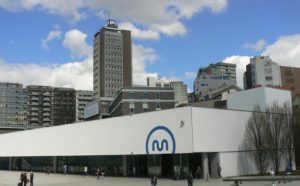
(10, 163)
(205, 165)
(54, 164)
(124, 161)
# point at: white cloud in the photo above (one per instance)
(141, 56)
(190, 75)
(258, 46)
(165, 16)
(240, 62)
(76, 75)
(75, 41)
(172, 29)
(285, 51)
(138, 33)
(53, 34)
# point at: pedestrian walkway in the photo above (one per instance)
(11, 178)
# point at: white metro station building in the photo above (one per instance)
(155, 143)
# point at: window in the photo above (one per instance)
(145, 110)
(131, 105)
(145, 95)
(289, 73)
(268, 78)
(131, 111)
(157, 95)
(131, 95)
(145, 106)
(158, 106)
(289, 80)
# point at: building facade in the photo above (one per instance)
(40, 102)
(98, 108)
(180, 92)
(112, 66)
(180, 89)
(263, 97)
(64, 106)
(133, 100)
(12, 105)
(290, 79)
(157, 82)
(264, 72)
(214, 77)
(161, 143)
(82, 98)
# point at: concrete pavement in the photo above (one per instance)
(11, 178)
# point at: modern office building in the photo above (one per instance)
(214, 77)
(112, 67)
(180, 92)
(263, 71)
(82, 98)
(133, 100)
(12, 106)
(180, 89)
(64, 106)
(290, 79)
(40, 105)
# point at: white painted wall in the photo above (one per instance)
(217, 130)
(262, 96)
(115, 136)
(194, 129)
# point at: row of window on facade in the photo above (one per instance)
(114, 42)
(5, 105)
(113, 74)
(12, 111)
(113, 54)
(117, 67)
(145, 107)
(113, 48)
(145, 95)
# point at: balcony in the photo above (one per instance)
(46, 94)
(33, 119)
(34, 98)
(47, 119)
(46, 114)
(47, 99)
(33, 93)
(34, 103)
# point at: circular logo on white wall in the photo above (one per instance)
(160, 140)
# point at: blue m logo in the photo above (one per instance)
(160, 147)
(160, 139)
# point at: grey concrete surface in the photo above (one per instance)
(11, 178)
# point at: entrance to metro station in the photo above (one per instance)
(173, 166)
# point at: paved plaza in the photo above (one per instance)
(11, 178)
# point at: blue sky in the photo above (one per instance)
(49, 42)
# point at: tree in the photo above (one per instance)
(275, 133)
(269, 136)
(254, 140)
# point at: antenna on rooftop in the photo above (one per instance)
(111, 22)
(108, 15)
